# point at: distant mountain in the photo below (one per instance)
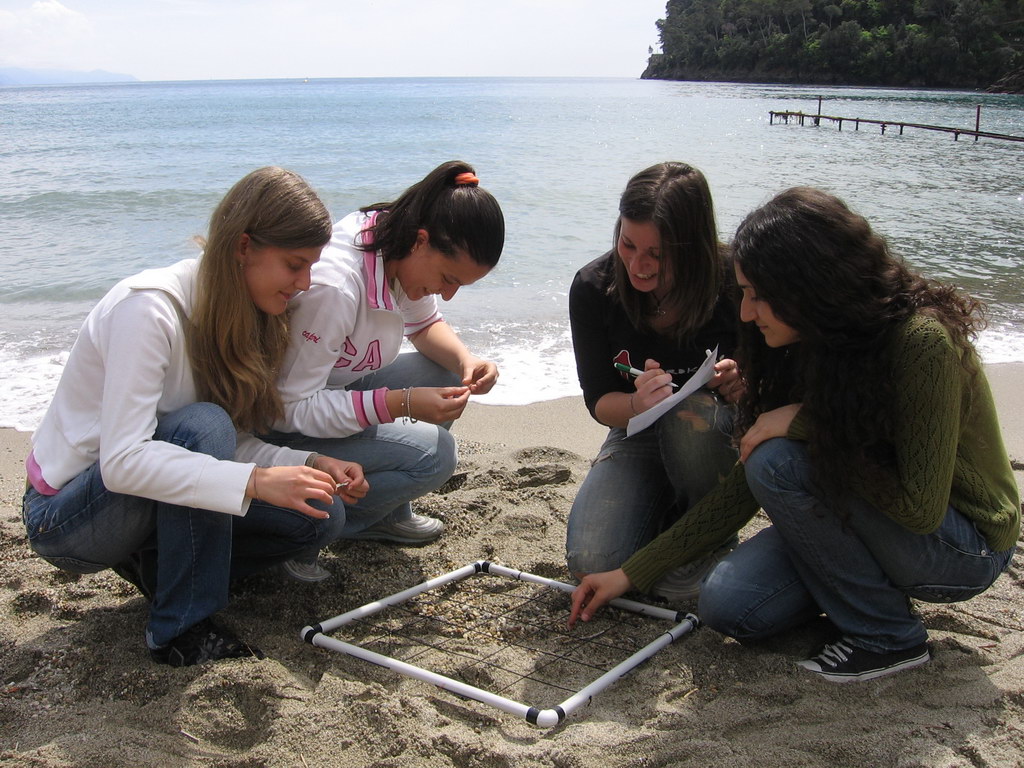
(17, 76)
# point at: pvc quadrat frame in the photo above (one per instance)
(317, 635)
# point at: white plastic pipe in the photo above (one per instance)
(315, 635)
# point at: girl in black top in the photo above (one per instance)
(655, 302)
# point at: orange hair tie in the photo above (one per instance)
(466, 178)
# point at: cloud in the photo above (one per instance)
(45, 34)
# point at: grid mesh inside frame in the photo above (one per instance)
(507, 637)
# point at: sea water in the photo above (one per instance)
(100, 181)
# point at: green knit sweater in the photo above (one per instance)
(949, 450)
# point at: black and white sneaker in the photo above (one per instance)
(840, 662)
(206, 641)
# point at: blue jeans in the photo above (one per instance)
(402, 460)
(859, 571)
(191, 554)
(638, 486)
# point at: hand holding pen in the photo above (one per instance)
(652, 385)
(727, 379)
(634, 372)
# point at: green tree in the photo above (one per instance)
(960, 43)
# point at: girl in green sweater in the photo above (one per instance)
(869, 438)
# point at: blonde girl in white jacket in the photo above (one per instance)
(145, 461)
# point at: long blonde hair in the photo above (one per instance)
(236, 348)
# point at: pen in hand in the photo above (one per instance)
(635, 372)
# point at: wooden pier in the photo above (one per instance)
(816, 119)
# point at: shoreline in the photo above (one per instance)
(1005, 380)
(30, 382)
(80, 691)
(565, 423)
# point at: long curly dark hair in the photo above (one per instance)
(824, 272)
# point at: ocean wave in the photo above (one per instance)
(61, 202)
(1001, 344)
(537, 370)
(29, 384)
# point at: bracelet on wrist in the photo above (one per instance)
(407, 408)
(311, 460)
(631, 406)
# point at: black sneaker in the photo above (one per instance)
(840, 662)
(206, 641)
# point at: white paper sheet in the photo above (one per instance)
(701, 377)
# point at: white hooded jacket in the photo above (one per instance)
(350, 323)
(129, 367)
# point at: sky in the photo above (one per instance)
(243, 39)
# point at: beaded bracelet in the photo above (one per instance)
(311, 460)
(631, 406)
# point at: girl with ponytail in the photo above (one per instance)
(344, 385)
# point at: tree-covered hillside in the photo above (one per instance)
(921, 43)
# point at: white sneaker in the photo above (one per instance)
(418, 529)
(307, 572)
(683, 583)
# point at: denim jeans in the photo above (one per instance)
(638, 486)
(859, 571)
(402, 460)
(191, 553)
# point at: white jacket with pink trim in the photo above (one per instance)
(349, 323)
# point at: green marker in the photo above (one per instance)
(634, 373)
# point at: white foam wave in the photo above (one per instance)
(29, 384)
(1001, 345)
(543, 369)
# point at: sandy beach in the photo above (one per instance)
(78, 687)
